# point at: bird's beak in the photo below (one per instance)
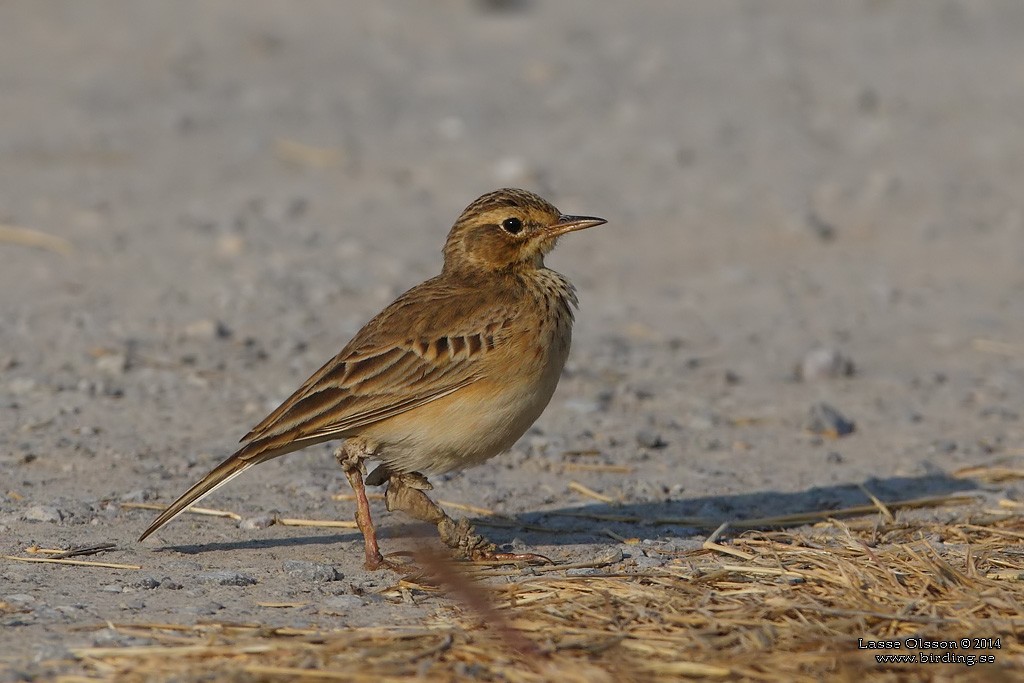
(572, 223)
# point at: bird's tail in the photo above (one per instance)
(218, 476)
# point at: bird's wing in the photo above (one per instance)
(426, 345)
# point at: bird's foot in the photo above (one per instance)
(406, 493)
(467, 544)
(399, 562)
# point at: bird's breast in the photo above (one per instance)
(487, 417)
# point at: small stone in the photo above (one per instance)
(112, 588)
(825, 420)
(112, 363)
(43, 513)
(710, 443)
(341, 605)
(201, 329)
(683, 544)
(834, 457)
(230, 245)
(649, 438)
(139, 496)
(1000, 412)
(944, 446)
(312, 571)
(644, 562)
(109, 637)
(825, 231)
(258, 522)
(170, 584)
(225, 577)
(148, 583)
(823, 363)
(585, 571)
(209, 609)
(702, 422)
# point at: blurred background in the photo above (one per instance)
(808, 203)
(220, 193)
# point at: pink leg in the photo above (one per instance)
(351, 461)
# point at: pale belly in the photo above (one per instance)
(469, 426)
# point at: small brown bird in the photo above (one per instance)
(450, 374)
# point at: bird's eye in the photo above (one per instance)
(513, 225)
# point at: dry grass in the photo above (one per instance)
(765, 606)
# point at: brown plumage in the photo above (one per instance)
(450, 374)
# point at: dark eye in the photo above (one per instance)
(512, 225)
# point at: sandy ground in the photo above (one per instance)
(243, 184)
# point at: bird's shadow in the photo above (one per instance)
(603, 522)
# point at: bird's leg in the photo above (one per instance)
(406, 493)
(351, 460)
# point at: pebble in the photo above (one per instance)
(112, 588)
(341, 605)
(822, 229)
(139, 496)
(206, 610)
(825, 420)
(644, 562)
(710, 443)
(201, 329)
(823, 363)
(112, 363)
(649, 438)
(109, 637)
(702, 422)
(43, 513)
(227, 577)
(683, 544)
(258, 522)
(312, 571)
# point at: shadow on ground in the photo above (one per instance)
(683, 518)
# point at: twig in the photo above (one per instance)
(80, 563)
(589, 492)
(27, 237)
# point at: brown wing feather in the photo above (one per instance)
(405, 357)
(400, 360)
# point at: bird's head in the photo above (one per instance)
(508, 229)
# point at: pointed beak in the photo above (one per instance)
(572, 223)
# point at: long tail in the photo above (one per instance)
(218, 476)
(245, 457)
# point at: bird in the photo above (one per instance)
(450, 374)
